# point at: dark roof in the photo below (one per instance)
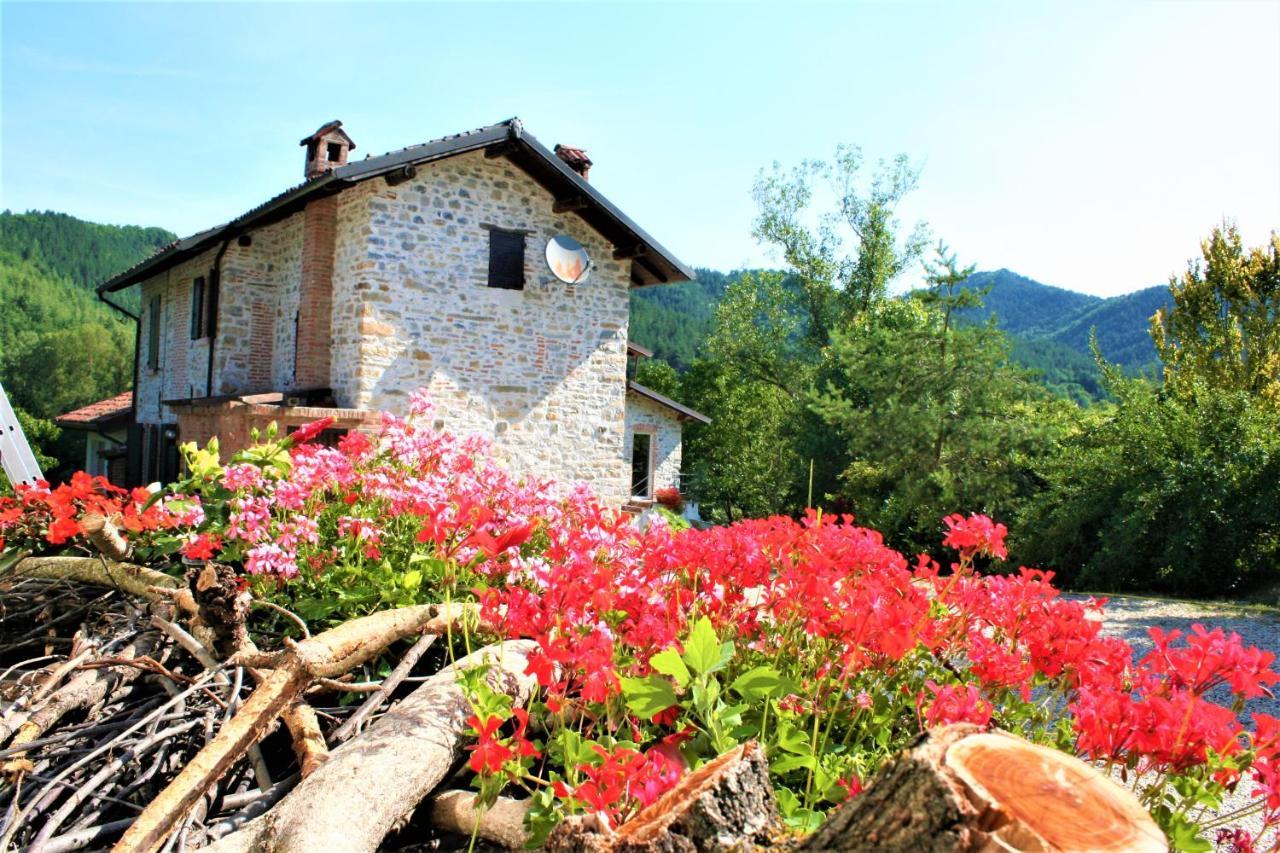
(652, 263)
(682, 412)
(98, 414)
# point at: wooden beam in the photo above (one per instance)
(564, 205)
(399, 176)
(652, 270)
(628, 252)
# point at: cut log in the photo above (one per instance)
(726, 804)
(133, 579)
(962, 789)
(502, 823)
(103, 534)
(371, 782)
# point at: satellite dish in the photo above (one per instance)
(567, 259)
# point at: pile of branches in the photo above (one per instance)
(140, 712)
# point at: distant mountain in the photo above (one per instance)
(1049, 326)
(676, 319)
(1033, 311)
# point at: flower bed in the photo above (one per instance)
(657, 649)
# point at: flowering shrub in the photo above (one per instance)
(670, 498)
(657, 649)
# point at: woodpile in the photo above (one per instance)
(138, 713)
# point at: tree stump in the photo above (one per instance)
(726, 804)
(962, 789)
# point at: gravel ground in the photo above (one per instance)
(1129, 618)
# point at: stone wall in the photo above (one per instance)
(644, 415)
(540, 371)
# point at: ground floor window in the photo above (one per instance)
(641, 464)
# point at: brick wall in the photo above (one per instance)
(315, 294)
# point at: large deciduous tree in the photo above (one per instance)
(1223, 329)
(931, 413)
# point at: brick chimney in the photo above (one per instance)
(327, 149)
(576, 158)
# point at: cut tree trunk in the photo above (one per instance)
(374, 780)
(962, 789)
(726, 804)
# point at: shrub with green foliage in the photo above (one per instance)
(1173, 493)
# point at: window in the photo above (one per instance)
(197, 308)
(333, 151)
(153, 334)
(641, 464)
(506, 260)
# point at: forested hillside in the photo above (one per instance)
(1049, 327)
(60, 346)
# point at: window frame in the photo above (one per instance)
(496, 237)
(650, 461)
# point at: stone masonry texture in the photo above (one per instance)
(539, 371)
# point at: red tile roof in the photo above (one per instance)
(98, 413)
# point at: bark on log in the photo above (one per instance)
(726, 804)
(85, 690)
(501, 823)
(371, 782)
(960, 789)
(130, 578)
(325, 655)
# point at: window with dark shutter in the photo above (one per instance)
(197, 308)
(153, 334)
(506, 260)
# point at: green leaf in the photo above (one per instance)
(411, 579)
(703, 651)
(761, 682)
(788, 763)
(648, 696)
(791, 739)
(668, 662)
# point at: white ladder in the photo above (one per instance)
(19, 462)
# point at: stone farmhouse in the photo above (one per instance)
(424, 267)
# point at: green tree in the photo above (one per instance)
(1224, 327)
(847, 260)
(1168, 492)
(933, 416)
(741, 464)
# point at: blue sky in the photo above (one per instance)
(1088, 145)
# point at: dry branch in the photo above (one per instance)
(370, 783)
(98, 571)
(325, 655)
(961, 789)
(103, 534)
(502, 823)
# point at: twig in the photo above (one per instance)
(81, 838)
(389, 684)
(297, 620)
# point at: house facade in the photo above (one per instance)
(425, 267)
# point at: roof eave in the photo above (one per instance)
(683, 413)
(658, 264)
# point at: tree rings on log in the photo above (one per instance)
(962, 789)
